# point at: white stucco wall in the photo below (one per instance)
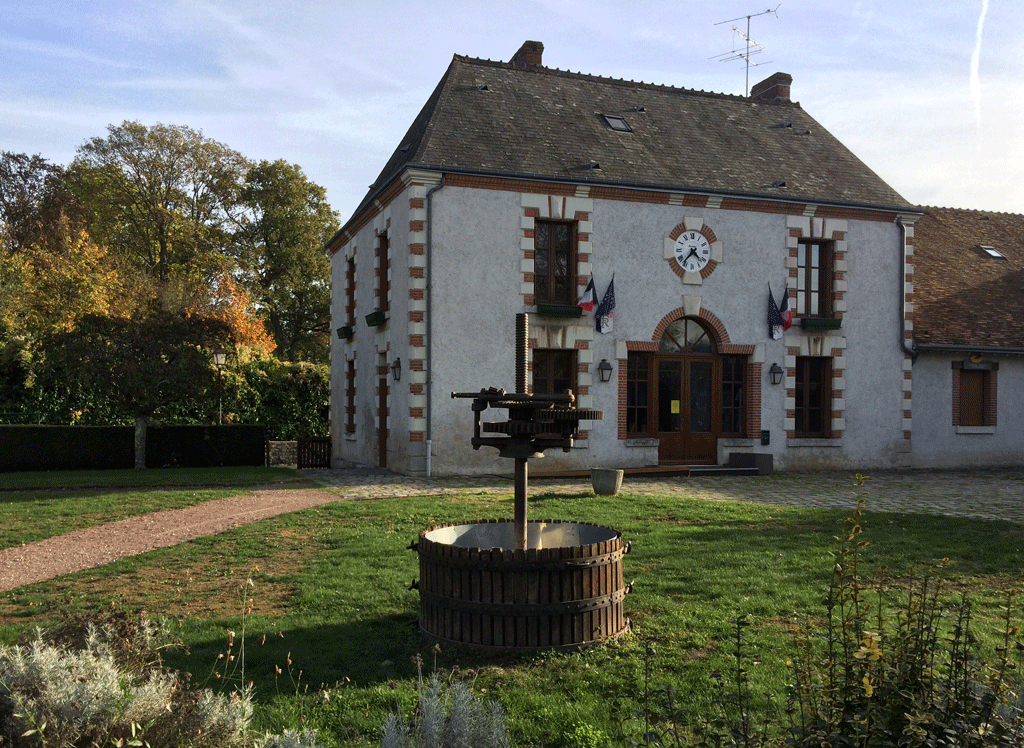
(937, 443)
(477, 272)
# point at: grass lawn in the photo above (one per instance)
(331, 607)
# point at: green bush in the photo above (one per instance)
(289, 399)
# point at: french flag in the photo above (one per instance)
(589, 297)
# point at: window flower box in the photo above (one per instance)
(558, 311)
(376, 319)
(817, 323)
(346, 332)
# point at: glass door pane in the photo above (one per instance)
(670, 385)
(701, 381)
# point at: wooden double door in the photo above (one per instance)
(688, 408)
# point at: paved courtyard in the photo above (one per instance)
(985, 494)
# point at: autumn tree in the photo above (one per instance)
(24, 183)
(282, 227)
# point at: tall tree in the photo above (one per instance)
(282, 230)
(139, 364)
(34, 197)
(161, 195)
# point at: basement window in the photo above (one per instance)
(616, 122)
(994, 253)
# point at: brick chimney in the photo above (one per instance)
(529, 55)
(772, 90)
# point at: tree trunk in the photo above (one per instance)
(140, 442)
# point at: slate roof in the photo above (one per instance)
(496, 118)
(963, 297)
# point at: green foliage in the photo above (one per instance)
(582, 735)
(139, 365)
(160, 196)
(279, 249)
(289, 399)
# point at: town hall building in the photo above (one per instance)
(753, 287)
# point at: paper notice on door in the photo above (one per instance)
(675, 407)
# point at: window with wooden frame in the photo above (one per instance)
(350, 397)
(734, 374)
(554, 371)
(974, 394)
(813, 395)
(350, 292)
(383, 272)
(638, 393)
(554, 262)
(814, 278)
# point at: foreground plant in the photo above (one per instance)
(447, 716)
(897, 664)
(100, 682)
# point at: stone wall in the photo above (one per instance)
(282, 453)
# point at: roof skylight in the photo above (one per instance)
(616, 122)
(994, 253)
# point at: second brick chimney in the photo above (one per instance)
(772, 90)
(529, 55)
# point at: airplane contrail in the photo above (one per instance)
(975, 60)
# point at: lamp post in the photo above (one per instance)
(220, 357)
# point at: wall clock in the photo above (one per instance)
(692, 251)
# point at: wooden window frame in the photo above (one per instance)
(383, 272)
(975, 394)
(805, 402)
(568, 298)
(350, 291)
(638, 372)
(544, 362)
(350, 397)
(733, 412)
(807, 274)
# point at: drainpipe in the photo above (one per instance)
(430, 316)
(910, 350)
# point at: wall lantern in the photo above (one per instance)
(775, 374)
(396, 369)
(605, 370)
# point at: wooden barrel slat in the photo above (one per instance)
(564, 596)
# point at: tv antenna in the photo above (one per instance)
(749, 46)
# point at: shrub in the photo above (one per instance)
(447, 718)
(99, 681)
(897, 664)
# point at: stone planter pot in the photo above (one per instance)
(606, 482)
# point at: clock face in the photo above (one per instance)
(692, 251)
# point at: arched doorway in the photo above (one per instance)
(687, 405)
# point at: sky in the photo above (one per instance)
(928, 93)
